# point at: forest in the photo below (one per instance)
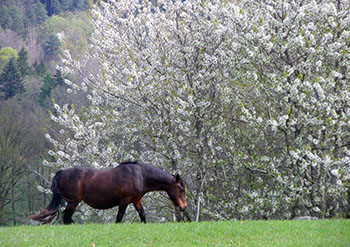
(29, 51)
(247, 100)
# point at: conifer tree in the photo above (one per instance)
(48, 85)
(51, 46)
(40, 69)
(11, 81)
(22, 63)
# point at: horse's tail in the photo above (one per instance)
(47, 214)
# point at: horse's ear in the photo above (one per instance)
(177, 177)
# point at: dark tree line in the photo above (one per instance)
(57, 6)
(19, 15)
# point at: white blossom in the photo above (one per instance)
(249, 94)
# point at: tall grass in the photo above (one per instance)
(223, 233)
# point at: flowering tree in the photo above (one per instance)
(249, 100)
(296, 54)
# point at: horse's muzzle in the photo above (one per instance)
(181, 208)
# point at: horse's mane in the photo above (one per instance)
(147, 166)
(129, 162)
(154, 169)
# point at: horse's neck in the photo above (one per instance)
(156, 179)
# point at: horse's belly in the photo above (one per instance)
(99, 196)
(99, 201)
(103, 191)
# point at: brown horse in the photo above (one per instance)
(103, 189)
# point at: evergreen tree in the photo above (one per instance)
(11, 81)
(48, 85)
(6, 54)
(52, 45)
(35, 13)
(66, 5)
(40, 69)
(17, 20)
(5, 20)
(81, 4)
(22, 63)
(56, 6)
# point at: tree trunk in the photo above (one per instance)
(43, 183)
(199, 194)
(29, 196)
(198, 207)
(13, 205)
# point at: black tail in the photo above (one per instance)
(56, 200)
(50, 212)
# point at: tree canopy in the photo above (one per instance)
(248, 99)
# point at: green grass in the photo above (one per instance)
(223, 233)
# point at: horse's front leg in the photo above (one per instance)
(121, 211)
(139, 208)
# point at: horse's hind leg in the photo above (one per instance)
(139, 208)
(68, 213)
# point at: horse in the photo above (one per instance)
(106, 188)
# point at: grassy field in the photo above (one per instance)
(223, 233)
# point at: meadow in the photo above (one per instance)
(221, 233)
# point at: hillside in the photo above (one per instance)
(32, 36)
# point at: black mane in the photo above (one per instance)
(129, 162)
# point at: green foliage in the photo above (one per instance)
(11, 80)
(224, 233)
(52, 45)
(5, 20)
(6, 54)
(54, 7)
(22, 63)
(40, 69)
(36, 13)
(76, 28)
(48, 85)
(18, 15)
(17, 22)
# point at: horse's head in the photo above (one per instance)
(177, 193)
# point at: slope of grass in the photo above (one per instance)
(229, 233)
